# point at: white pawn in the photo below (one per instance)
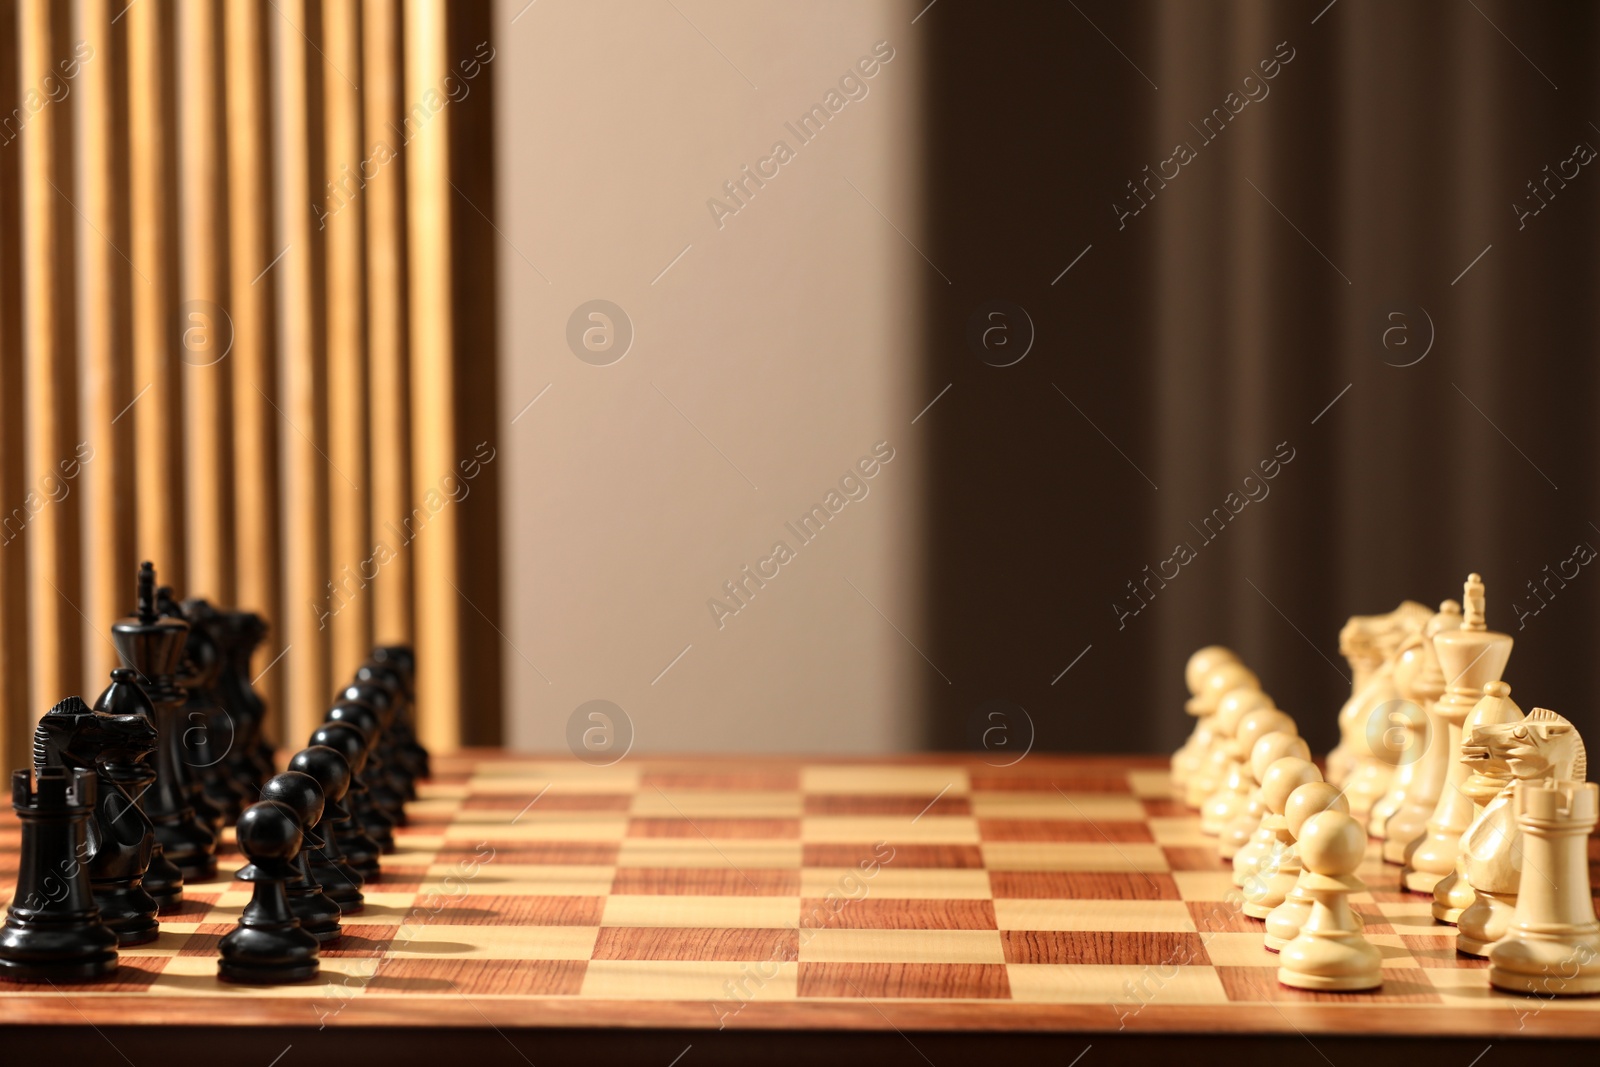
(1237, 835)
(1263, 843)
(1283, 925)
(1330, 952)
(1217, 682)
(1200, 665)
(1273, 880)
(1212, 768)
(1222, 806)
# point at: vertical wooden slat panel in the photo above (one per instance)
(157, 410)
(108, 475)
(433, 392)
(55, 627)
(204, 320)
(14, 709)
(474, 284)
(252, 288)
(348, 600)
(305, 369)
(383, 92)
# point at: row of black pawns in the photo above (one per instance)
(126, 801)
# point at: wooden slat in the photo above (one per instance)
(433, 391)
(383, 93)
(157, 410)
(348, 602)
(13, 547)
(252, 299)
(107, 478)
(206, 327)
(305, 366)
(50, 344)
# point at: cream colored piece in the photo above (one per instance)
(1553, 945)
(1405, 730)
(1542, 747)
(1283, 925)
(1406, 827)
(1330, 952)
(1366, 641)
(1212, 769)
(1270, 884)
(1484, 782)
(1471, 658)
(1217, 683)
(1236, 836)
(1262, 846)
(1202, 663)
(1369, 776)
(1223, 806)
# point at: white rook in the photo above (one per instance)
(1553, 946)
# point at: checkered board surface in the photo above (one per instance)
(1061, 893)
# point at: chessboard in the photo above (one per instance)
(904, 896)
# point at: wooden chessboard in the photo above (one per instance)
(1064, 895)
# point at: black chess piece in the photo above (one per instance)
(268, 947)
(152, 644)
(251, 760)
(195, 712)
(399, 785)
(377, 818)
(53, 930)
(340, 882)
(402, 661)
(162, 878)
(301, 794)
(360, 850)
(120, 838)
(212, 725)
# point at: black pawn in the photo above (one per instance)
(340, 882)
(398, 783)
(378, 819)
(401, 662)
(300, 793)
(53, 930)
(152, 644)
(268, 947)
(360, 850)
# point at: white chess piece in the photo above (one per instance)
(1283, 924)
(1222, 806)
(1201, 664)
(1330, 952)
(1211, 770)
(1553, 945)
(1483, 782)
(1238, 834)
(1270, 884)
(1406, 828)
(1220, 680)
(1471, 658)
(1541, 748)
(1366, 641)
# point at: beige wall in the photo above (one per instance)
(770, 358)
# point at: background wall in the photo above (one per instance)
(772, 348)
(1283, 286)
